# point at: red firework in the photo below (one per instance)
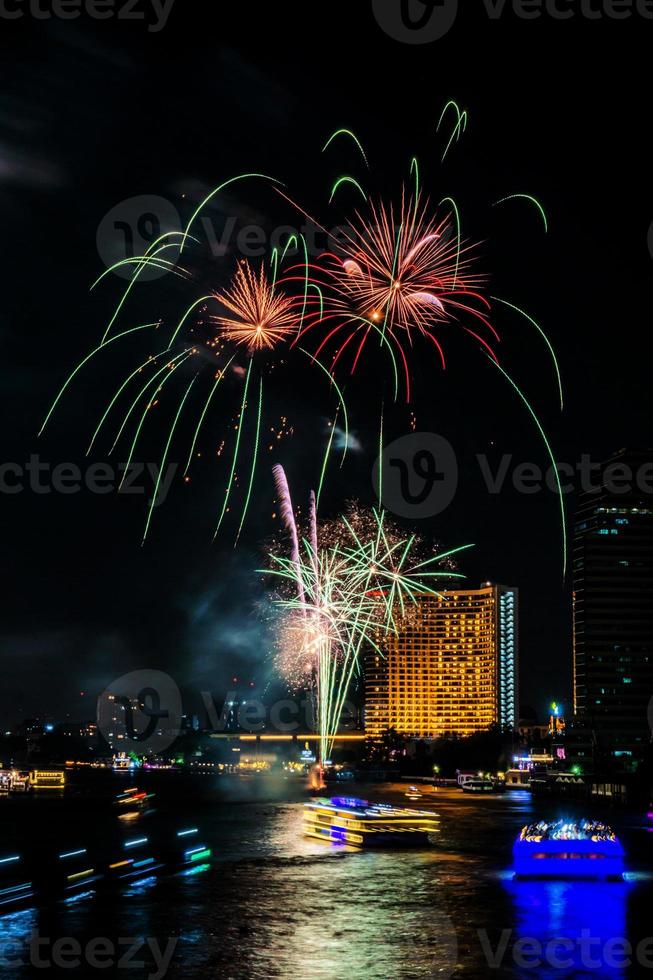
(399, 276)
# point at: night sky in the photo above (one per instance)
(96, 112)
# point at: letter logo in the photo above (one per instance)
(140, 712)
(130, 228)
(419, 475)
(415, 21)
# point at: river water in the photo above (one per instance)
(276, 904)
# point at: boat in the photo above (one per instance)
(413, 793)
(20, 782)
(73, 874)
(74, 869)
(564, 849)
(132, 802)
(478, 786)
(357, 823)
(47, 779)
(15, 891)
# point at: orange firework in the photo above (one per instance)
(263, 316)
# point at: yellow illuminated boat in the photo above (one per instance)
(344, 820)
(47, 779)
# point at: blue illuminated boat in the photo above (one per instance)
(357, 823)
(15, 890)
(564, 849)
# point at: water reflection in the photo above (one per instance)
(273, 903)
(569, 929)
(15, 930)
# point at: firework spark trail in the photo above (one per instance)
(149, 257)
(459, 127)
(346, 179)
(142, 262)
(450, 200)
(553, 462)
(168, 366)
(414, 171)
(85, 360)
(147, 409)
(526, 197)
(164, 458)
(291, 243)
(217, 190)
(306, 282)
(145, 260)
(241, 422)
(341, 399)
(252, 472)
(314, 558)
(346, 132)
(193, 306)
(288, 517)
(141, 367)
(312, 525)
(530, 319)
(274, 262)
(371, 326)
(325, 460)
(218, 381)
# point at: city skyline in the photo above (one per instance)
(587, 476)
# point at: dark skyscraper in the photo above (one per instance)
(613, 605)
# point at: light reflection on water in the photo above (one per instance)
(589, 919)
(276, 904)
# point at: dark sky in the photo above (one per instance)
(93, 113)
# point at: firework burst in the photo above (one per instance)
(230, 352)
(262, 315)
(400, 274)
(350, 585)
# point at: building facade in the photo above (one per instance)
(451, 667)
(613, 606)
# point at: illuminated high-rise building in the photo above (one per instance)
(450, 668)
(613, 606)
